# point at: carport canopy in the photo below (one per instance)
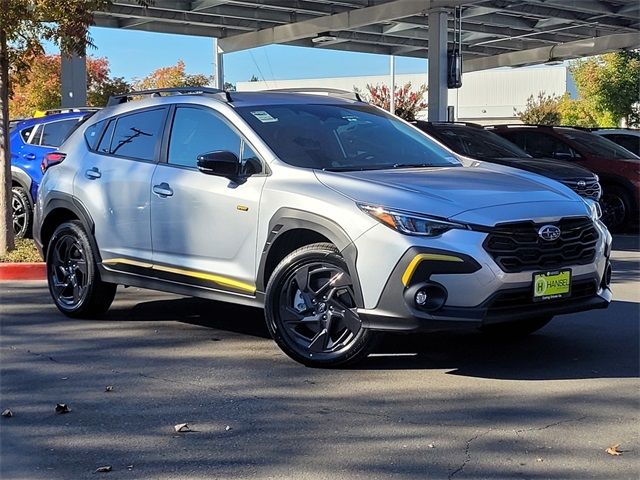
(494, 33)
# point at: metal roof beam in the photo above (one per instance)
(162, 27)
(561, 51)
(348, 20)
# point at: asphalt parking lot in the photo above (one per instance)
(445, 405)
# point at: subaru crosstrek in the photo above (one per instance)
(341, 220)
(30, 140)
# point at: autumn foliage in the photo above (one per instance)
(171, 77)
(407, 102)
(40, 88)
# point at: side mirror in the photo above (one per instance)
(221, 164)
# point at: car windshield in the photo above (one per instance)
(600, 146)
(343, 137)
(477, 143)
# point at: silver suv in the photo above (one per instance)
(339, 219)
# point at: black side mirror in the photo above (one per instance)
(221, 164)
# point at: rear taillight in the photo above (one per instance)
(51, 159)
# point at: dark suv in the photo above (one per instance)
(618, 169)
(473, 141)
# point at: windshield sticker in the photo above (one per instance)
(350, 118)
(263, 116)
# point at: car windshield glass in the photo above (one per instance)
(599, 146)
(343, 137)
(478, 143)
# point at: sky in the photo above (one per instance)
(135, 54)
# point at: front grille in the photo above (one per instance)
(517, 247)
(591, 189)
(523, 297)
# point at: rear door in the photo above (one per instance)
(204, 227)
(114, 183)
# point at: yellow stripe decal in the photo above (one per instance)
(411, 268)
(220, 280)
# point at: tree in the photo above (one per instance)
(229, 87)
(407, 102)
(171, 77)
(541, 110)
(612, 82)
(582, 112)
(40, 88)
(24, 24)
(254, 79)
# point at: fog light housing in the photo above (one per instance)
(426, 296)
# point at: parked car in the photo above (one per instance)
(618, 169)
(625, 137)
(341, 220)
(473, 141)
(29, 141)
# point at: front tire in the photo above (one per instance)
(21, 212)
(310, 309)
(616, 206)
(516, 329)
(72, 273)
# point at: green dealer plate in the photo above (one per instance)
(551, 285)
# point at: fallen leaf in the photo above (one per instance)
(108, 388)
(614, 450)
(539, 460)
(130, 467)
(62, 408)
(105, 469)
(182, 427)
(7, 413)
(431, 445)
(227, 428)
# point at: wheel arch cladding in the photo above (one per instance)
(290, 229)
(63, 208)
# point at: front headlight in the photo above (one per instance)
(410, 223)
(594, 209)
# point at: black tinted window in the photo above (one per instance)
(630, 142)
(196, 131)
(25, 133)
(54, 133)
(92, 134)
(136, 135)
(105, 142)
(477, 142)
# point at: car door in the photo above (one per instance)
(114, 184)
(204, 227)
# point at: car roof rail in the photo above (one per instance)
(444, 122)
(332, 92)
(517, 125)
(164, 92)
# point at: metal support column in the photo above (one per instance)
(438, 65)
(392, 88)
(73, 81)
(218, 67)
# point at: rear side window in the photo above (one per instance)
(630, 142)
(134, 136)
(92, 134)
(26, 133)
(54, 133)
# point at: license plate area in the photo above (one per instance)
(551, 285)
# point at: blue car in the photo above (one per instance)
(30, 141)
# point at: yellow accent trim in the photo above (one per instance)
(126, 261)
(411, 268)
(219, 279)
(242, 208)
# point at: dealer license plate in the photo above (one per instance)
(551, 285)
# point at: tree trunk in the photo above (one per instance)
(6, 217)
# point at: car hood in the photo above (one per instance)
(548, 167)
(450, 192)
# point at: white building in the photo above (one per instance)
(486, 97)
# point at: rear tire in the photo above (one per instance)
(515, 329)
(21, 211)
(311, 312)
(617, 207)
(72, 273)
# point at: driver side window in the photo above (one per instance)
(196, 131)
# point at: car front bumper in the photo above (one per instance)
(469, 289)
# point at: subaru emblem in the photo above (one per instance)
(582, 184)
(549, 233)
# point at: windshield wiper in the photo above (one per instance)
(354, 168)
(411, 165)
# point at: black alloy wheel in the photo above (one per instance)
(72, 273)
(311, 309)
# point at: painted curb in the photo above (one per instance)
(23, 271)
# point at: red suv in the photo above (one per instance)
(618, 169)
